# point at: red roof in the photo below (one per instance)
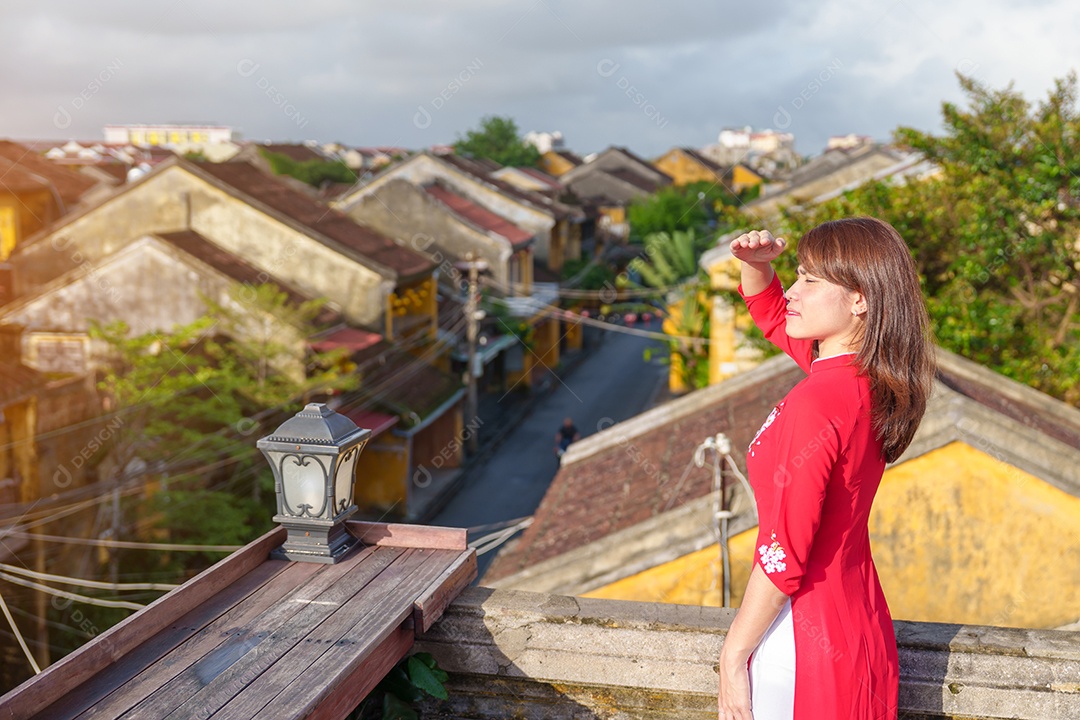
(310, 213)
(480, 216)
(376, 422)
(352, 338)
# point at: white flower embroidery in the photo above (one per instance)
(768, 421)
(772, 557)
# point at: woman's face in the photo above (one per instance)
(820, 310)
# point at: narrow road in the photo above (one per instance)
(614, 381)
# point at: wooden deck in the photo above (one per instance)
(258, 638)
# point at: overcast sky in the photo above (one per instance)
(649, 75)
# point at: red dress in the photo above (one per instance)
(815, 466)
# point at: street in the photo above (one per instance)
(613, 381)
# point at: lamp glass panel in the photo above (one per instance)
(303, 481)
(343, 482)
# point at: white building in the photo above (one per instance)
(545, 141)
(169, 136)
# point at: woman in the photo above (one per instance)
(813, 639)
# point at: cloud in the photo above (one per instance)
(360, 72)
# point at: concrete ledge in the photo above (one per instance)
(531, 655)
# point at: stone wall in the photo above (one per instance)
(529, 655)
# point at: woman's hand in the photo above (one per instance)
(757, 246)
(734, 699)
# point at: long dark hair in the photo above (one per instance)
(867, 255)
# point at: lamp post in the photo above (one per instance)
(313, 456)
(473, 316)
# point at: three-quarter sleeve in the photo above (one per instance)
(808, 443)
(768, 308)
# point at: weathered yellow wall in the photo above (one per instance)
(989, 544)
(743, 177)
(957, 536)
(381, 474)
(683, 169)
(693, 579)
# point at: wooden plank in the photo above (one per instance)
(442, 591)
(64, 676)
(215, 679)
(409, 536)
(311, 670)
(135, 662)
(344, 698)
(171, 662)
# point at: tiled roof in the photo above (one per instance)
(633, 178)
(479, 171)
(637, 158)
(22, 169)
(353, 339)
(541, 176)
(309, 213)
(376, 422)
(294, 151)
(642, 474)
(691, 152)
(480, 216)
(393, 379)
(652, 472)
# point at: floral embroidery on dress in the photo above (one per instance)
(768, 421)
(772, 556)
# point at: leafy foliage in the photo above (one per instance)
(497, 139)
(406, 683)
(190, 401)
(671, 258)
(313, 172)
(994, 233)
(701, 206)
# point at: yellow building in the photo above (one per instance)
(559, 162)
(978, 513)
(686, 166)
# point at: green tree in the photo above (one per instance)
(701, 206)
(193, 401)
(994, 232)
(497, 139)
(314, 172)
(671, 264)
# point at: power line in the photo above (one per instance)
(79, 582)
(128, 545)
(70, 595)
(18, 636)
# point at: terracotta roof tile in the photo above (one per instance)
(480, 216)
(316, 217)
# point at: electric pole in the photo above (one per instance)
(473, 316)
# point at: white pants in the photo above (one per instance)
(772, 670)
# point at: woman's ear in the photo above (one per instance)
(858, 304)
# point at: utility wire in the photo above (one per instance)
(18, 636)
(129, 545)
(70, 595)
(79, 582)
